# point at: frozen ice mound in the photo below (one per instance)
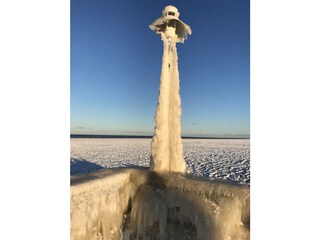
(139, 204)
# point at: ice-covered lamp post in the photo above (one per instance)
(166, 146)
(159, 206)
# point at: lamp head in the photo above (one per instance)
(170, 19)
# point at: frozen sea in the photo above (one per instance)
(227, 159)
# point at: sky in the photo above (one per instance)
(116, 64)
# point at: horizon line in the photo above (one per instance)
(150, 136)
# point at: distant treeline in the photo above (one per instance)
(138, 136)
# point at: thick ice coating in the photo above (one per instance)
(127, 204)
(166, 146)
(170, 16)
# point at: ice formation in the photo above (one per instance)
(163, 203)
(166, 146)
(138, 204)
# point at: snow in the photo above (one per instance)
(226, 159)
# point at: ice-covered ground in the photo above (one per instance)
(212, 158)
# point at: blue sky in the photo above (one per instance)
(116, 63)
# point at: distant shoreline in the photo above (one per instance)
(141, 136)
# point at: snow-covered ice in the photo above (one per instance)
(227, 159)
